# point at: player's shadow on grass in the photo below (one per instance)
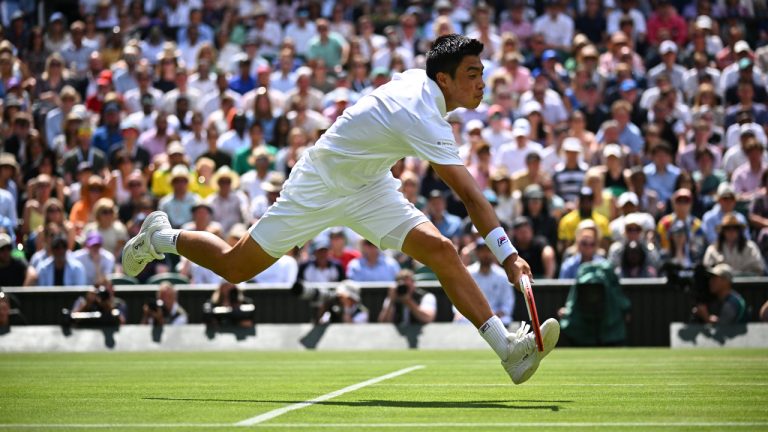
(718, 333)
(547, 405)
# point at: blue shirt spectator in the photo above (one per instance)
(105, 138)
(571, 265)
(660, 174)
(373, 266)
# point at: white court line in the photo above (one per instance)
(582, 385)
(280, 411)
(391, 425)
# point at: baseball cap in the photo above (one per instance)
(202, 204)
(586, 192)
(175, 148)
(572, 144)
(633, 219)
(5, 240)
(704, 22)
(93, 238)
(612, 150)
(56, 16)
(745, 63)
(548, 55)
(521, 221)
(530, 107)
(722, 270)
(495, 109)
(741, 46)
(475, 124)
(627, 85)
(436, 193)
(320, 242)
(128, 124)
(725, 189)
(628, 198)
(521, 127)
(667, 47)
(179, 172)
(533, 191)
(682, 193)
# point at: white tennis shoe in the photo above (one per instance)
(524, 357)
(139, 252)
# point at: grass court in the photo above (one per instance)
(574, 389)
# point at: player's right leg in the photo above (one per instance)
(234, 263)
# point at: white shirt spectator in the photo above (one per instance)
(612, 24)
(283, 271)
(194, 147)
(230, 142)
(230, 210)
(8, 206)
(733, 135)
(106, 263)
(301, 35)
(553, 109)
(558, 31)
(511, 156)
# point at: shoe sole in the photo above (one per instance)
(551, 336)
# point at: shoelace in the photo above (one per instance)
(522, 336)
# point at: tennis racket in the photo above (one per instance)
(530, 303)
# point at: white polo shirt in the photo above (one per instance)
(404, 117)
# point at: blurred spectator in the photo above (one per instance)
(165, 309)
(536, 209)
(344, 307)
(448, 224)
(661, 174)
(727, 306)
(406, 304)
(178, 204)
(284, 271)
(59, 269)
(758, 215)
(556, 26)
(628, 204)
(569, 175)
(320, 268)
(373, 265)
(686, 243)
(732, 247)
(98, 263)
(512, 155)
(726, 203)
(746, 178)
(229, 204)
(644, 256)
(586, 251)
(113, 233)
(493, 282)
(533, 248)
(339, 250)
(12, 269)
(566, 232)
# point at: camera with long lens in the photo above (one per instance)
(99, 318)
(402, 289)
(315, 296)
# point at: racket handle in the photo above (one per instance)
(525, 282)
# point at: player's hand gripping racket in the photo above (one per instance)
(530, 303)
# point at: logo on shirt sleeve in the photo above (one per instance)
(501, 240)
(445, 143)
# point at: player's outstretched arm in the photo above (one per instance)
(481, 212)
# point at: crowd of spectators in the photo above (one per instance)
(632, 131)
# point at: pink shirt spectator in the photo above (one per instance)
(746, 181)
(153, 143)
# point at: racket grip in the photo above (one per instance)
(525, 282)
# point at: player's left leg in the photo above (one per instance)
(518, 351)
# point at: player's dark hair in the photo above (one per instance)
(448, 51)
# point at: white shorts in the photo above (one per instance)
(378, 211)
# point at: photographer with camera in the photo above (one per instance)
(164, 309)
(344, 307)
(98, 307)
(228, 307)
(725, 306)
(406, 304)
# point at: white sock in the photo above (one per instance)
(164, 240)
(495, 333)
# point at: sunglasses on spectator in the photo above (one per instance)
(633, 229)
(683, 200)
(587, 244)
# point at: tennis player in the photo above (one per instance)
(345, 179)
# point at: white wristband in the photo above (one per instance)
(499, 244)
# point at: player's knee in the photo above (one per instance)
(441, 250)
